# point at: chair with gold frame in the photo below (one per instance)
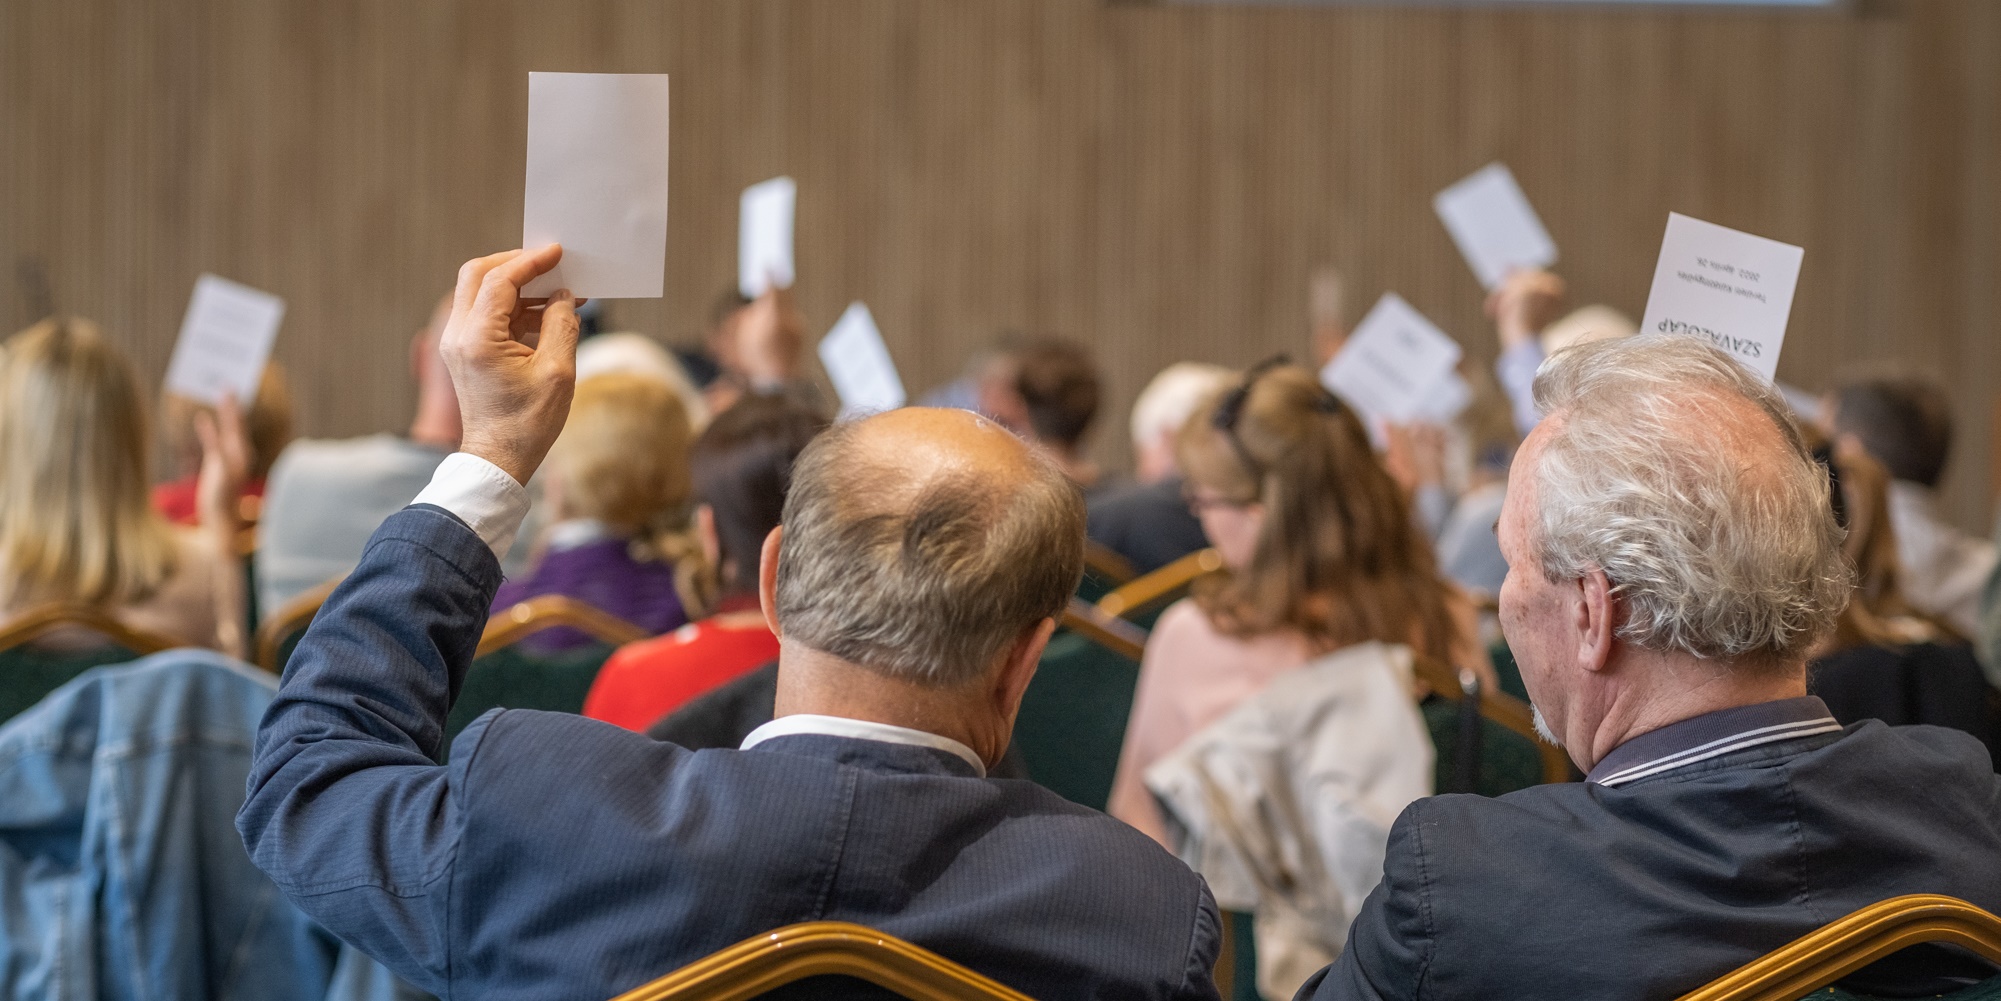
(1109, 631)
(1148, 593)
(821, 948)
(504, 675)
(1500, 708)
(29, 671)
(520, 621)
(1819, 958)
(280, 631)
(1104, 570)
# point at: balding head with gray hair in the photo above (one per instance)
(924, 544)
(1682, 476)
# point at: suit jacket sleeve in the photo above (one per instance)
(347, 810)
(1205, 943)
(1391, 940)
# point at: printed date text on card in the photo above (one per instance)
(225, 340)
(1394, 363)
(1732, 289)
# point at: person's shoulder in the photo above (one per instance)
(1185, 619)
(1090, 838)
(1934, 757)
(345, 458)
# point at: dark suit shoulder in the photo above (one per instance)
(1573, 887)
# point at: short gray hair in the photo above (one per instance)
(923, 581)
(1710, 551)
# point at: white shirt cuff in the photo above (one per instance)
(483, 496)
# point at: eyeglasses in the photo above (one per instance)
(1230, 409)
(1197, 504)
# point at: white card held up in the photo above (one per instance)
(225, 341)
(1731, 288)
(1494, 225)
(1447, 400)
(858, 362)
(597, 182)
(764, 237)
(1393, 363)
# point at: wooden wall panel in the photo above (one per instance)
(1157, 181)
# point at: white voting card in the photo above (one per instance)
(1393, 363)
(1494, 225)
(1731, 288)
(597, 182)
(764, 237)
(225, 340)
(1448, 398)
(858, 362)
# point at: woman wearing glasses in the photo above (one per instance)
(1321, 551)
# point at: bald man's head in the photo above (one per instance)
(922, 543)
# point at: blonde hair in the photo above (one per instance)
(76, 516)
(623, 455)
(1340, 557)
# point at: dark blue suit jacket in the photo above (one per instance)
(1654, 888)
(560, 857)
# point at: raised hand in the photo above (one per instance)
(1526, 302)
(225, 465)
(513, 361)
(769, 337)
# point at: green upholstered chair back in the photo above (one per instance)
(1986, 990)
(514, 678)
(1073, 718)
(1507, 760)
(30, 671)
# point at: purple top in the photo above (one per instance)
(603, 574)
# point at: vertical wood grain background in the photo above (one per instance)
(1156, 181)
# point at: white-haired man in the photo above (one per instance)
(1673, 558)
(1149, 523)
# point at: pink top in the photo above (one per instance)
(1190, 676)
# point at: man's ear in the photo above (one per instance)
(1594, 620)
(1022, 658)
(767, 579)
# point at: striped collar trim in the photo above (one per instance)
(1712, 735)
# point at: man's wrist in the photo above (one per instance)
(488, 498)
(509, 460)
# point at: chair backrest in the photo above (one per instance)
(1843, 946)
(280, 631)
(512, 624)
(1108, 631)
(822, 948)
(504, 676)
(1072, 722)
(1150, 592)
(40, 620)
(1105, 562)
(1505, 710)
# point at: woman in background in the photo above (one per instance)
(76, 520)
(268, 426)
(1320, 551)
(742, 465)
(1886, 660)
(616, 489)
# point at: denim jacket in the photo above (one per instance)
(121, 874)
